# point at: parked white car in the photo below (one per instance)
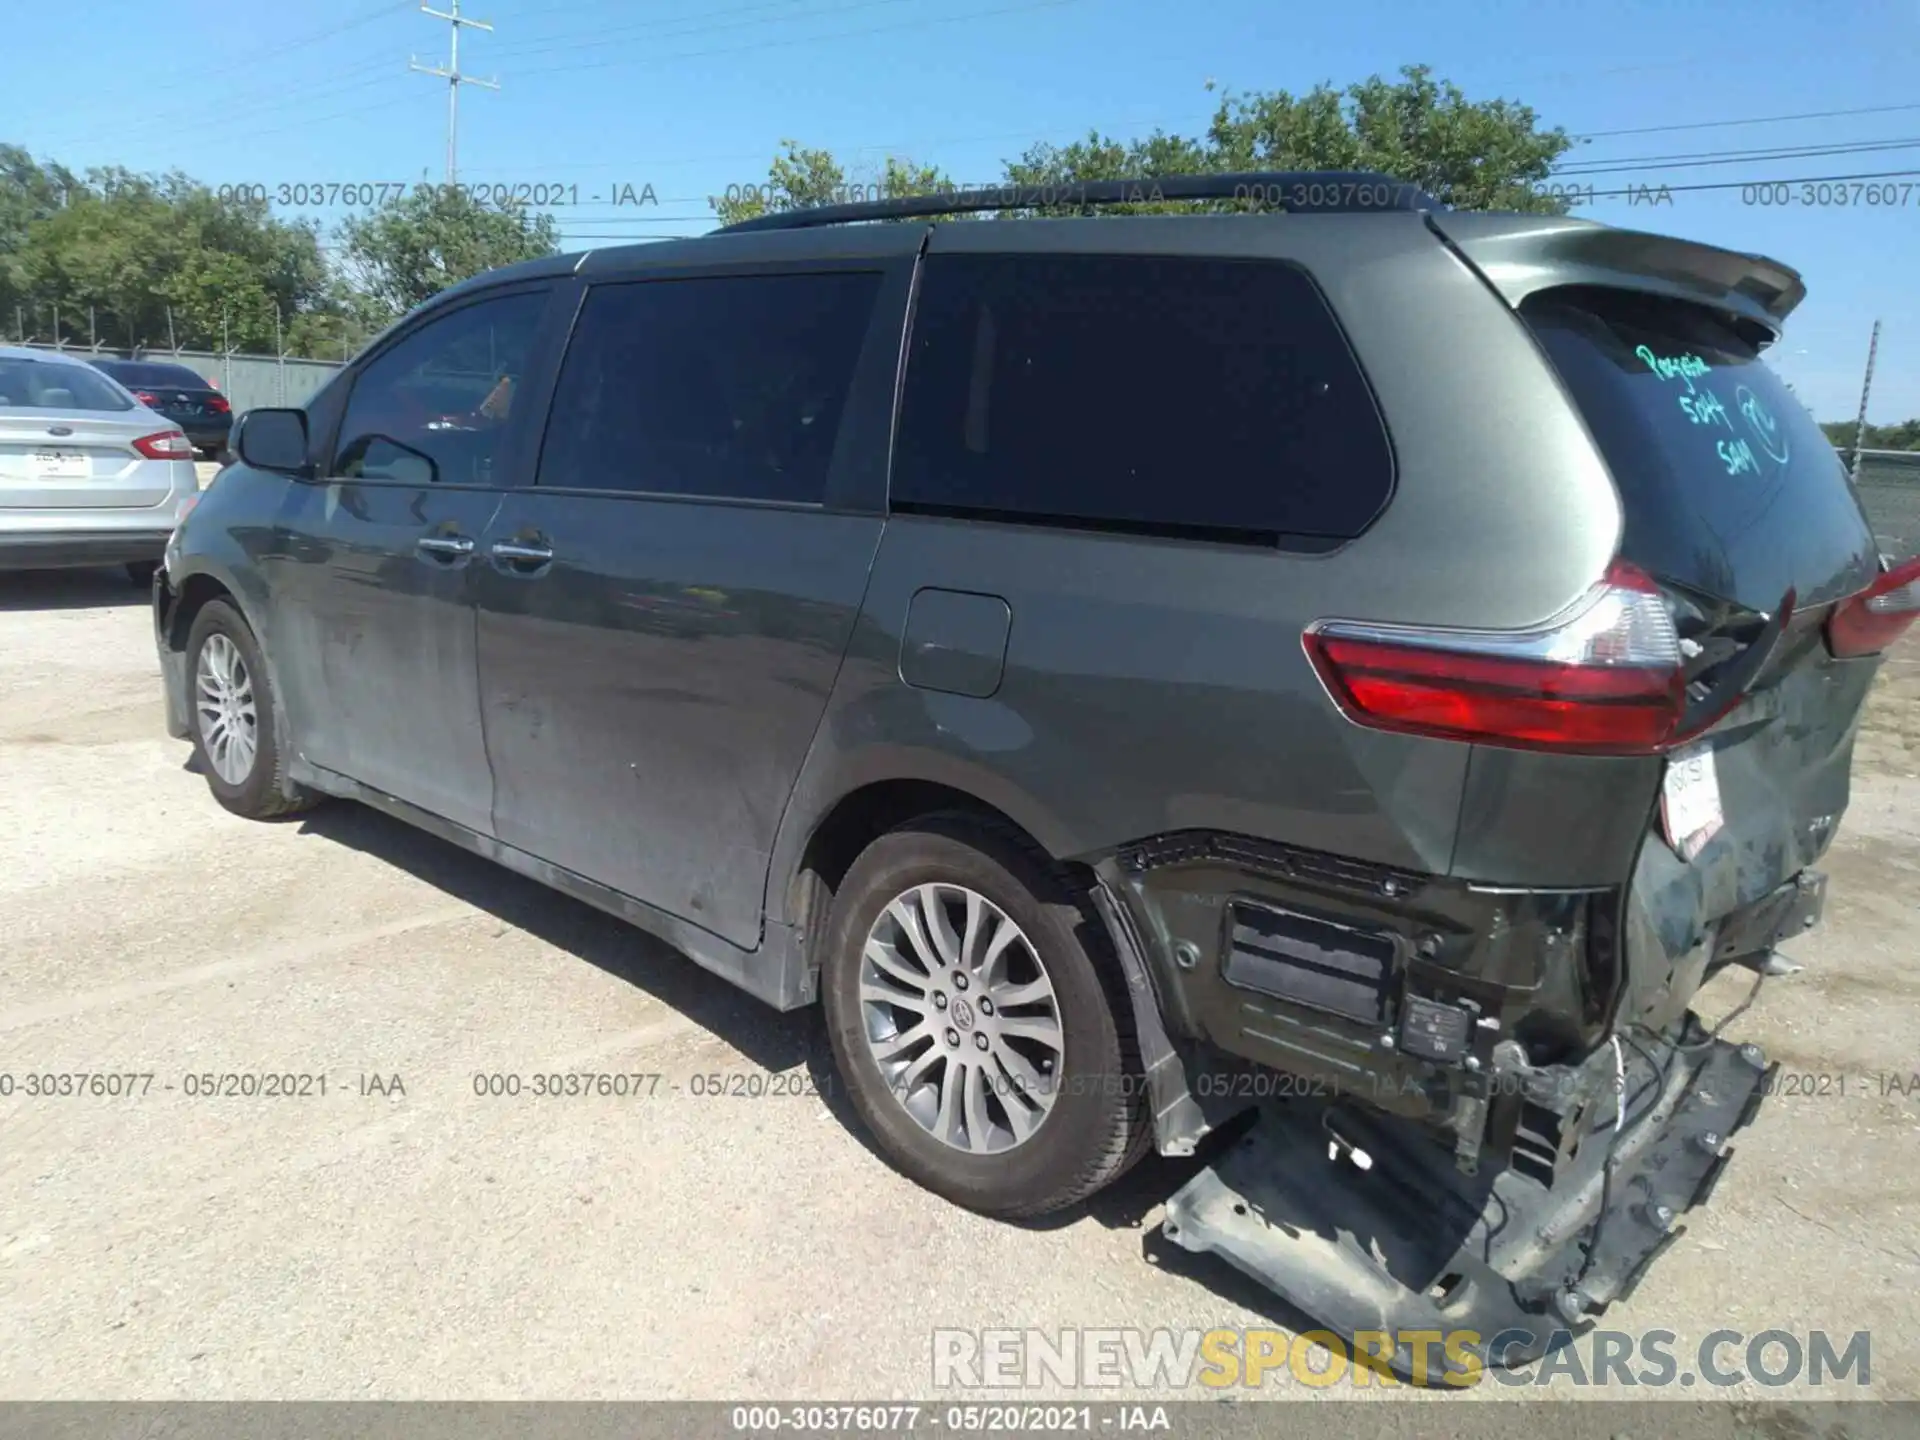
(88, 475)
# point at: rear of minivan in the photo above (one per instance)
(1739, 519)
(1709, 683)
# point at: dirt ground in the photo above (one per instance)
(401, 1236)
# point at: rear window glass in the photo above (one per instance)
(144, 376)
(1147, 392)
(56, 385)
(1727, 483)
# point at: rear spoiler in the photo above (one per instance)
(1522, 254)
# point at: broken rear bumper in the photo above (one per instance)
(1410, 1244)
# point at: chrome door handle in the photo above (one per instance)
(452, 547)
(526, 554)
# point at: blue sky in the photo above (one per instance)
(691, 99)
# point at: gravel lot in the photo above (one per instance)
(431, 1243)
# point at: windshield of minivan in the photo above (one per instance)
(56, 385)
(1728, 485)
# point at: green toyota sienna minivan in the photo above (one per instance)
(1359, 663)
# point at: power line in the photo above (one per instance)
(1738, 157)
(651, 30)
(333, 90)
(808, 39)
(377, 11)
(1582, 165)
(595, 211)
(890, 147)
(1641, 190)
(271, 91)
(451, 74)
(1635, 190)
(272, 97)
(1752, 120)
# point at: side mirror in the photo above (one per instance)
(274, 440)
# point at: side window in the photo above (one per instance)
(724, 387)
(434, 408)
(1137, 391)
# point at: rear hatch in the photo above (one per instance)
(66, 441)
(1737, 505)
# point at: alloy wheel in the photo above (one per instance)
(961, 1017)
(229, 717)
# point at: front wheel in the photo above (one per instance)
(981, 1040)
(231, 717)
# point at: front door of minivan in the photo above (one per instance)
(663, 613)
(374, 602)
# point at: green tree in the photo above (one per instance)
(1471, 154)
(1904, 436)
(131, 259)
(29, 194)
(413, 247)
(1100, 157)
(799, 178)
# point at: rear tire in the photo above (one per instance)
(959, 1110)
(141, 572)
(231, 710)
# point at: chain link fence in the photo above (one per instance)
(246, 380)
(1889, 485)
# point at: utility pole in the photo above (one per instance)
(1866, 388)
(451, 74)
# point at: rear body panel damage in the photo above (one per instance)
(1294, 975)
(1520, 1067)
(1409, 1244)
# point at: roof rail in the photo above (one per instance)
(1318, 191)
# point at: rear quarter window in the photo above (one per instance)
(1728, 485)
(1137, 392)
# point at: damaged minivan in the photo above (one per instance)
(1342, 676)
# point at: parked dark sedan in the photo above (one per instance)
(184, 396)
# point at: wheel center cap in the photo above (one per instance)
(961, 1014)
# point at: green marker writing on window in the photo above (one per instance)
(1687, 368)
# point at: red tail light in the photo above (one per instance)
(1605, 680)
(146, 397)
(218, 404)
(1879, 615)
(164, 445)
